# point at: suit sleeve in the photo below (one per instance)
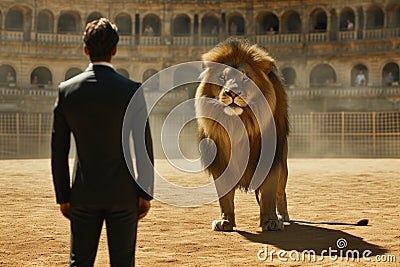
(60, 145)
(143, 147)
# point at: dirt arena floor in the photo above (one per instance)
(33, 232)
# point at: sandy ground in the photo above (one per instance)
(33, 232)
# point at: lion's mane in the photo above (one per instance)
(259, 66)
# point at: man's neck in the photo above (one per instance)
(102, 63)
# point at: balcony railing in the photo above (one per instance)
(46, 37)
(126, 40)
(345, 92)
(41, 92)
(4, 91)
(209, 40)
(150, 40)
(268, 39)
(11, 92)
(347, 35)
(182, 40)
(277, 38)
(315, 37)
(374, 34)
(12, 36)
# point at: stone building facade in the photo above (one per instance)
(320, 46)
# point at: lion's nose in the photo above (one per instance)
(232, 93)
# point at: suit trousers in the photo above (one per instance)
(86, 226)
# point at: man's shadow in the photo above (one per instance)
(301, 237)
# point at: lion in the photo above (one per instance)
(232, 93)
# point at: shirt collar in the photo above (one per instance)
(101, 63)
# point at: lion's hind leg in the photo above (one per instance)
(269, 220)
(226, 222)
(281, 194)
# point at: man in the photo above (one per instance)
(360, 78)
(92, 106)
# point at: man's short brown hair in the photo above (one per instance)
(101, 37)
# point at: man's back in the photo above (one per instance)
(93, 105)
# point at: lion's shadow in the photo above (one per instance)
(302, 237)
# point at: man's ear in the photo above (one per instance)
(86, 50)
(114, 51)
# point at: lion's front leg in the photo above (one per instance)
(268, 219)
(226, 221)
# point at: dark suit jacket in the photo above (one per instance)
(92, 106)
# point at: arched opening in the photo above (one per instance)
(322, 75)
(150, 81)
(151, 25)
(123, 72)
(93, 16)
(124, 24)
(375, 17)
(291, 22)
(148, 73)
(72, 72)
(236, 25)
(393, 13)
(68, 23)
(8, 76)
(289, 75)
(359, 75)
(390, 74)
(267, 23)
(181, 25)
(347, 19)
(318, 21)
(15, 19)
(19, 18)
(209, 25)
(44, 22)
(40, 77)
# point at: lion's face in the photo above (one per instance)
(239, 90)
(236, 75)
(235, 90)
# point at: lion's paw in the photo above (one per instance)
(273, 225)
(222, 225)
(284, 218)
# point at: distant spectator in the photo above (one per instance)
(360, 78)
(233, 28)
(350, 25)
(49, 85)
(330, 82)
(214, 30)
(271, 31)
(148, 30)
(35, 81)
(389, 79)
(10, 79)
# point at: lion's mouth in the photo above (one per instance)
(233, 109)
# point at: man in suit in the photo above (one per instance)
(92, 107)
